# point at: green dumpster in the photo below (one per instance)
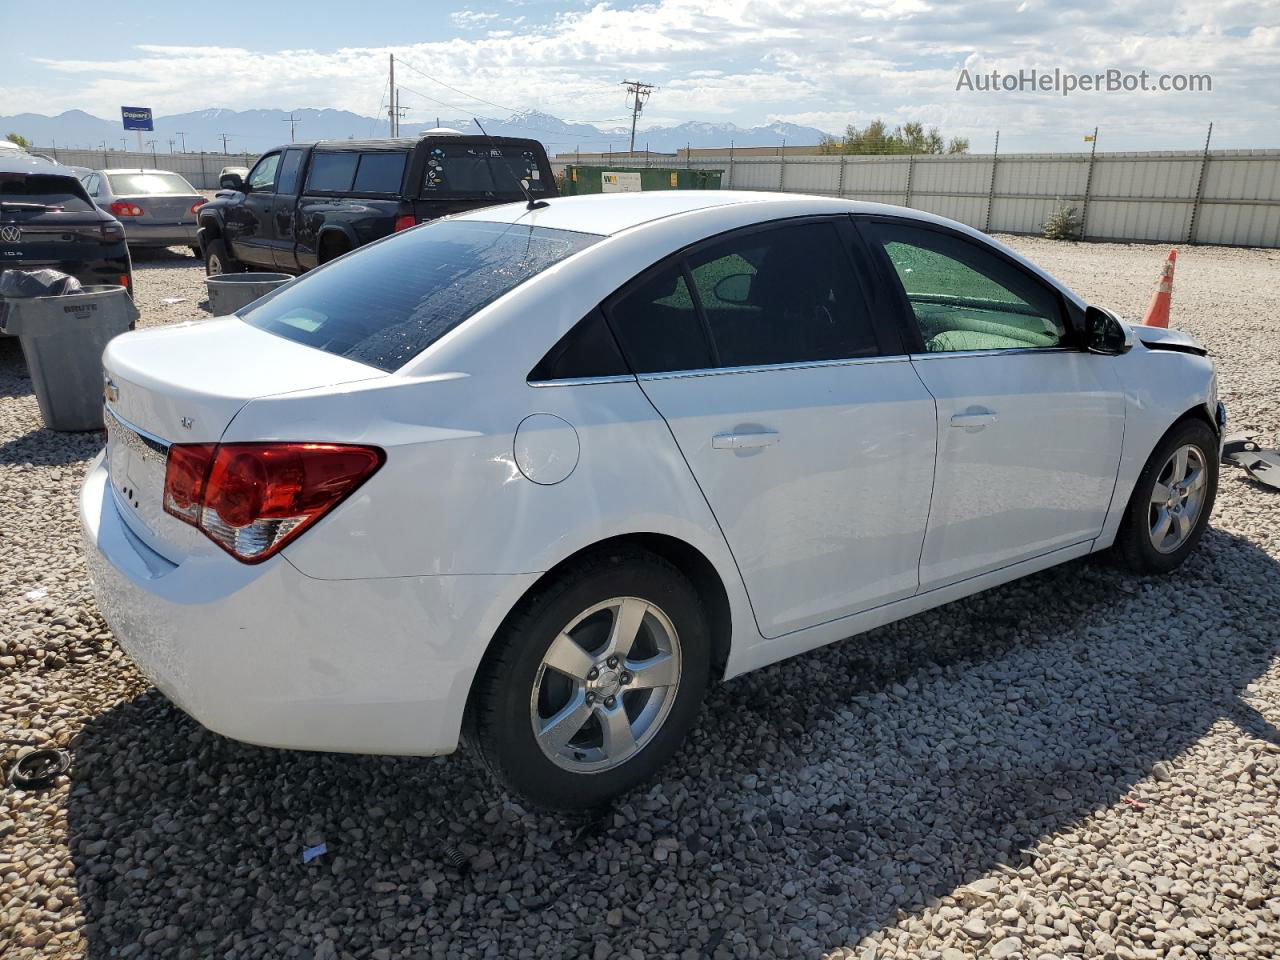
(580, 179)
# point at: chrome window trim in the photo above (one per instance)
(993, 352)
(770, 367)
(582, 381)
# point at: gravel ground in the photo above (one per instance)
(1078, 764)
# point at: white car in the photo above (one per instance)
(542, 475)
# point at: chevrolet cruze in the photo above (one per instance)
(537, 477)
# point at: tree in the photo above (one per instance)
(876, 139)
(19, 139)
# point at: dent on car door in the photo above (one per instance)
(1030, 427)
(801, 420)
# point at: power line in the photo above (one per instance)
(470, 96)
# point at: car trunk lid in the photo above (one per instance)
(185, 384)
(163, 208)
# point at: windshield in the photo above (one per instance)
(142, 184)
(43, 190)
(459, 170)
(385, 304)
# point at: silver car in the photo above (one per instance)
(157, 207)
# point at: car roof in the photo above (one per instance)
(610, 213)
(25, 163)
(135, 170)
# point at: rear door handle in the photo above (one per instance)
(745, 441)
(973, 418)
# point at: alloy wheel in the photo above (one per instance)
(606, 685)
(1177, 498)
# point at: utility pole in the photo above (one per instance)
(154, 159)
(171, 143)
(183, 135)
(391, 97)
(225, 137)
(292, 121)
(124, 144)
(639, 94)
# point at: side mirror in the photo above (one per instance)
(231, 181)
(735, 288)
(1104, 334)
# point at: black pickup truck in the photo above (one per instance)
(303, 204)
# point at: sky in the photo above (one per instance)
(825, 63)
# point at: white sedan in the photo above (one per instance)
(540, 476)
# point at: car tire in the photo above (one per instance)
(218, 260)
(628, 724)
(197, 252)
(1172, 500)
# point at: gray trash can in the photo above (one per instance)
(63, 339)
(228, 292)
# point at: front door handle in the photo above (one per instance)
(745, 441)
(973, 418)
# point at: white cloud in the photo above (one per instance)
(750, 61)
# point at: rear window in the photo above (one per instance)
(44, 190)
(135, 184)
(385, 304)
(461, 170)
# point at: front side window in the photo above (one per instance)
(386, 303)
(263, 175)
(963, 297)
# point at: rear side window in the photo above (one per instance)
(380, 172)
(386, 303)
(47, 191)
(289, 168)
(588, 350)
(787, 294)
(332, 172)
(658, 325)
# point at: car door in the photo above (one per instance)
(797, 411)
(1030, 426)
(247, 225)
(284, 208)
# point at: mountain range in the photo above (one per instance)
(253, 131)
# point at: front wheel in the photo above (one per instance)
(594, 683)
(217, 259)
(1172, 500)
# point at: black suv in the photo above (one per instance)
(304, 204)
(48, 221)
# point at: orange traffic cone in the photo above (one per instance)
(1158, 312)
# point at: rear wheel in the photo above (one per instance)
(593, 685)
(217, 259)
(1172, 500)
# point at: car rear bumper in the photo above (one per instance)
(263, 653)
(160, 234)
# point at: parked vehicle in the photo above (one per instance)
(305, 204)
(157, 207)
(542, 475)
(47, 221)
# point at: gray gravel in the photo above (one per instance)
(1079, 764)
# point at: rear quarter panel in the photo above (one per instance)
(361, 220)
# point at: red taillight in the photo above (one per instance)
(253, 498)
(405, 222)
(112, 231)
(197, 205)
(123, 208)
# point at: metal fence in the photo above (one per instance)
(1229, 197)
(201, 169)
